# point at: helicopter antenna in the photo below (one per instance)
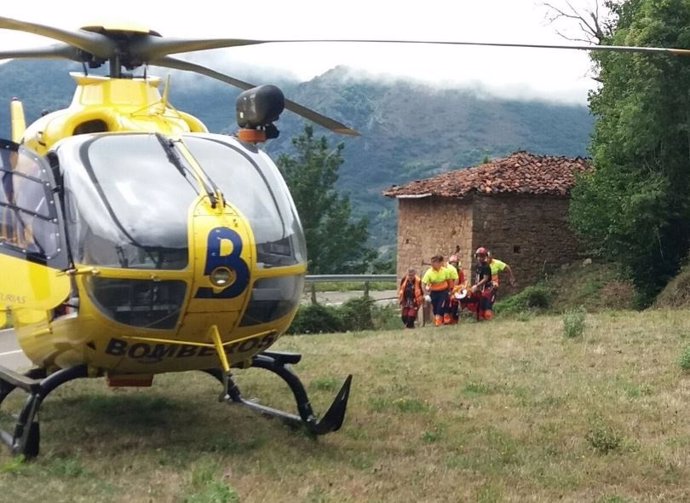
(83, 65)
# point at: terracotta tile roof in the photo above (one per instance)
(519, 173)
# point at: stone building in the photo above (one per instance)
(516, 206)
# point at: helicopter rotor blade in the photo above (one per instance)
(93, 43)
(149, 48)
(591, 47)
(307, 113)
(98, 42)
(56, 51)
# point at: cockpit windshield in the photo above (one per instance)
(126, 201)
(127, 197)
(251, 182)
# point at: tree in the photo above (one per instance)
(335, 243)
(634, 206)
(593, 25)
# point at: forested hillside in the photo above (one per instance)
(409, 130)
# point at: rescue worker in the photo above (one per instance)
(436, 285)
(454, 261)
(482, 289)
(499, 267)
(411, 297)
(452, 314)
(452, 278)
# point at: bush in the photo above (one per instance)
(603, 437)
(677, 293)
(386, 317)
(596, 286)
(574, 323)
(532, 298)
(685, 360)
(355, 314)
(316, 319)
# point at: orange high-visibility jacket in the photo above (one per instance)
(418, 292)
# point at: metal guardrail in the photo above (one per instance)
(353, 278)
(365, 279)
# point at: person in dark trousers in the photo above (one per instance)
(411, 297)
(453, 309)
(437, 285)
(482, 289)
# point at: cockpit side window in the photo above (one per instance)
(29, 223)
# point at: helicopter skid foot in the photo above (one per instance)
(26, 437)
(277, 363)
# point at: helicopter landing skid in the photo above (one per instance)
(278, 363)
(26, 437)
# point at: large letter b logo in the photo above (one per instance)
(223, 250)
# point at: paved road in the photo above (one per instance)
(10, 354)
(337, 298)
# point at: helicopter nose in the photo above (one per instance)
(221, 253)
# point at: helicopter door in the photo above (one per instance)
(33, 251)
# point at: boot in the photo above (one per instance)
(447, 319)
(438, 320)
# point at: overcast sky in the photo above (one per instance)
(544, 73)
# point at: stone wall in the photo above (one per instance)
(529, 232)
(430, 226)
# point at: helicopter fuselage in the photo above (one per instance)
(170, 235)
(103, 104)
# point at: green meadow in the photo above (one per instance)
(566, 407)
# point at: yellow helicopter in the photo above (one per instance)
(133, 242)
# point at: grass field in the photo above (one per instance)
(506, 410)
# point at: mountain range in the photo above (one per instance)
(409, 130)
